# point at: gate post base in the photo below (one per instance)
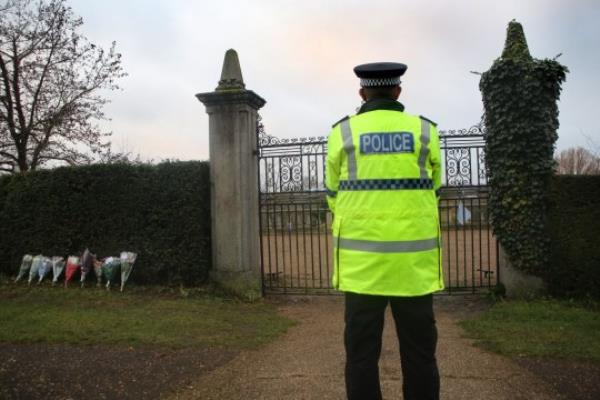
(244, 284)
(518, 285)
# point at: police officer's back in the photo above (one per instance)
(383, 175)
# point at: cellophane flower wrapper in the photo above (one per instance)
(98, 271)
(35, 267)
(73, 267)
(45, 269)
(87, 264)
(127, 260)
(111, 269)
(58, 266)
(25, 266)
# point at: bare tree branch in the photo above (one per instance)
(577, 161)
(50, 82)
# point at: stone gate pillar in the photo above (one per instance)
(233, 113)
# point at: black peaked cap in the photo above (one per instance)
(380, 70)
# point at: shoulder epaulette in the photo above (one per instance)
(428, 120)
(343, 119)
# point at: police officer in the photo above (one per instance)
(383, 177)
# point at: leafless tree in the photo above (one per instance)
(577, 161)
(51, 77)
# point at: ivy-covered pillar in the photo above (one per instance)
(233, 113)
(520, 97)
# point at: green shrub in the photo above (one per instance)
(574, 212)
(161, 212)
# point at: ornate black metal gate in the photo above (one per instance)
(295, 222)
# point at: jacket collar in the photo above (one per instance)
(381, 104)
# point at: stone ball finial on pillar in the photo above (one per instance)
(233, 118)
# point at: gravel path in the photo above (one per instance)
(307, 363)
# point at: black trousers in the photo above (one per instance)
(417, 335)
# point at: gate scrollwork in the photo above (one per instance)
(458, 166)
(291, 174)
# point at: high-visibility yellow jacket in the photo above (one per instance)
(383, 175)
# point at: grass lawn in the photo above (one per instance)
(541, 328)
(139, 316)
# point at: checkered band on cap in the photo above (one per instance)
(375, 82)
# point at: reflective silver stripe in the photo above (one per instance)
(405, 246)
(424, 148)
(349, 148)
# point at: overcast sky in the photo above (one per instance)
(299, 56)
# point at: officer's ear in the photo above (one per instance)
(361, 93)
(397, 91)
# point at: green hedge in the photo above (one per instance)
(162, 212)
(574, 228)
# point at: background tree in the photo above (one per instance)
(577, 161)
(520, 97)
(51, 78)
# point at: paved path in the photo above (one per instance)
(307, 362)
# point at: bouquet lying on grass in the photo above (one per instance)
(111, 269)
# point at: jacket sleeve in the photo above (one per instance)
(436, 160)
(332, 166)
